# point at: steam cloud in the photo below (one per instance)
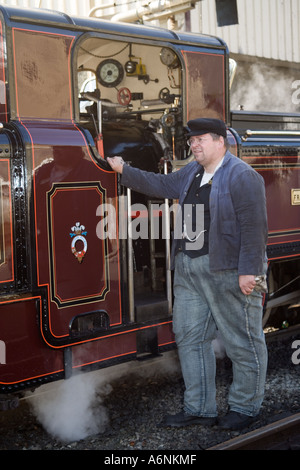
(260, 87)
(72, 409)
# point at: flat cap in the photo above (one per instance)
(205, 126)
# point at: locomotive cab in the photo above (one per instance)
(131, 103)
(132, 100)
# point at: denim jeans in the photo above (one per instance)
(204, 302)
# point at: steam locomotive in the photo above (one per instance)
(74, 293)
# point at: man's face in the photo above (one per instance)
(205, 149)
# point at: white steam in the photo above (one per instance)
(72, 409)
(219, 347)
(260, 87)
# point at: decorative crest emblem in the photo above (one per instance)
(78, 234)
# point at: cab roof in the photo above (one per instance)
(13, 15)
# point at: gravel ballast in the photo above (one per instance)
(120, 408)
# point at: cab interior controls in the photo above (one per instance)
(157, 101)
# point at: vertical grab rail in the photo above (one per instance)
(167, 247)
(130, 259)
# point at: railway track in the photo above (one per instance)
(283, 434)
(280, 435)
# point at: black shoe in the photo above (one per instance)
(234, 421)
(184, 419)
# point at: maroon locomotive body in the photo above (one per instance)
(74, 294)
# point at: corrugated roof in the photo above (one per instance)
(267, 28)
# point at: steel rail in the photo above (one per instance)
(265, 438)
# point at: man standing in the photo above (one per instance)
(215, 280)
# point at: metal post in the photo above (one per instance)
(168, 251)
(68, 362)
(130, 258)
(152, 246)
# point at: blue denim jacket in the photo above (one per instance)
(238, 228)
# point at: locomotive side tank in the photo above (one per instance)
(270, 143)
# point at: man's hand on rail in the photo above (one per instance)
(116, 163)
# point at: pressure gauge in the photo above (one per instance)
(169, 58)
(130, 66)
(110, 73)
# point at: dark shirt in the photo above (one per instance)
(196, 219)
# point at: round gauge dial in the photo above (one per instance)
(110, 73)
(169, 58)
